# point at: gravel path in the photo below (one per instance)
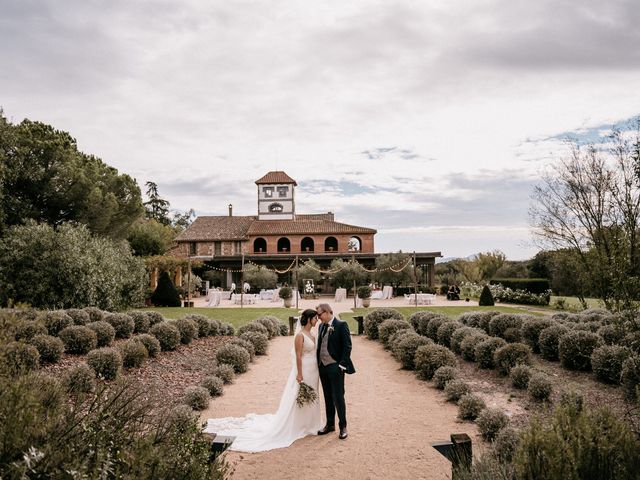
(393, 419)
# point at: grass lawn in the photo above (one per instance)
(573, 303)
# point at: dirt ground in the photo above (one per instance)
(393, 419)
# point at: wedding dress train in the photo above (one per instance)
(258, 433)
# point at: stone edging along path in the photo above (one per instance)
(393, 419)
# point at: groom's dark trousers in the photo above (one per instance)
(332, 378)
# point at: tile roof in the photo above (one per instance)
(241, 227)
(277, 176)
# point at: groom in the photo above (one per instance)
(334, 360)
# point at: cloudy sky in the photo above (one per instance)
(430, 121)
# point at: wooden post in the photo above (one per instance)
(242, 283)
(415, 281)
(297, 294)
(355, 293)
(189, 281)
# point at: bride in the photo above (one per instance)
(257, 433)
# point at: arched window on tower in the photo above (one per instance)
(355, 244)
(306, 245)
(259, 245)
(331, 244)
(284, 245)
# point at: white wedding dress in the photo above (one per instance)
(258, 433)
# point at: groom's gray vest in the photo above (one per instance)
(325, 358)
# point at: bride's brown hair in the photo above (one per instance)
(307, 315)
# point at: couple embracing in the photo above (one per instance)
(319, 355)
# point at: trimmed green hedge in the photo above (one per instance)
(533, 285)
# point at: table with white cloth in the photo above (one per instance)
(422, 298)
(214, 297)
(266, 294)
(377, 295)
(387, 292)
(246, 299)
(341, 294)
(276, 295)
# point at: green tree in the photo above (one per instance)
(51, 181)
(308, 270)
(157, 208)
(346, 273)
(483, 267)
(150, 237)
(391, 271)
(67, 267)
(259, 277)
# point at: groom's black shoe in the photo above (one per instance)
(343, 434)
(327, 429)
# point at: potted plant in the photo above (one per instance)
(286, 294)
(364, 293)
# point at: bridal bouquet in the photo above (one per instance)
(306, 394)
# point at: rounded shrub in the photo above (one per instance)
(106, 362)
(247, 345)
(631, 376)
(225, 372)
(507, 357)
(470, 406)
(455, 389)
(196, 397)
(80, 379)
(122, 323)
(151, 344)
(253, 327)
(420, 320)
(55, 321)
(387, 328)
(105, 333)
(260, 341)
(460, 334)
(233, 355)
(548, 341)
(95, 314)
(594, 315)
(214, 385)
(154, 317)
(375, 318)
(531, 328)
(78, 340)
(469, 344)
(79, 316)
(227, 329)
(133, 353)
(18, 358)
(490, 422)
(203, 323)
(48, 390)
(167, 334)
(406, 349)
(430, 357)
(27, 329)
(611, 334)
(49, 347)
(284, 330)
(444, 375)
(632, 341)
(141, 322)
(502, 322)
(606, 362)
(188, 330)
(434, 324)
(215, 327)
(485, 350)
(520, 375)
(445, 331)
(540, 387)
(575, 349)
(478, 319)
(271, 323)
(394, 340)
(506, 444)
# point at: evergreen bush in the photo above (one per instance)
(470, 406)
(387, 328)
(490, 422)
(106, 362)
(78, 340)
(227, 329)
(394, 340)
(540, 387)
(188, 330)
(215, 327)
(469, 344)
(259, 341)
(548, 341)
(95, 314)
(607, 361)
(284, 330)
(50, 348)
(486, 299)
(506, 444)
(18, 358)
(214, 385)
(455, 389)
(27, 329)
(271, 323)
(79, 316)
(444, 375)
(611, 334)
(154, 317)
(507, 357)
(575, 349)
(460, 334)
(203, 323)
(196, 397)
(79, 379)
(133, 353)
(105, 333)
(445, 331)
(631, 377)
(225, 372)
(434, 324)
(531, 329)
(632, 341)
(478, 319)
(55, 321)
(253, 327)
(485, 350)
(420, 320)
(375, 318)
(167, 334)
(520, 376)
(151, 343)
(502, 322)
(247, 345)
(429, 358)
(233, 355)
(122, 323)
(141, 322)
(165, 294)
(406, 348)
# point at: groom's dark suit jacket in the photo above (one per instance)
(339, 344)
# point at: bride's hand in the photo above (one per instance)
(299, 378)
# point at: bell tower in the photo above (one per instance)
(276, 196)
